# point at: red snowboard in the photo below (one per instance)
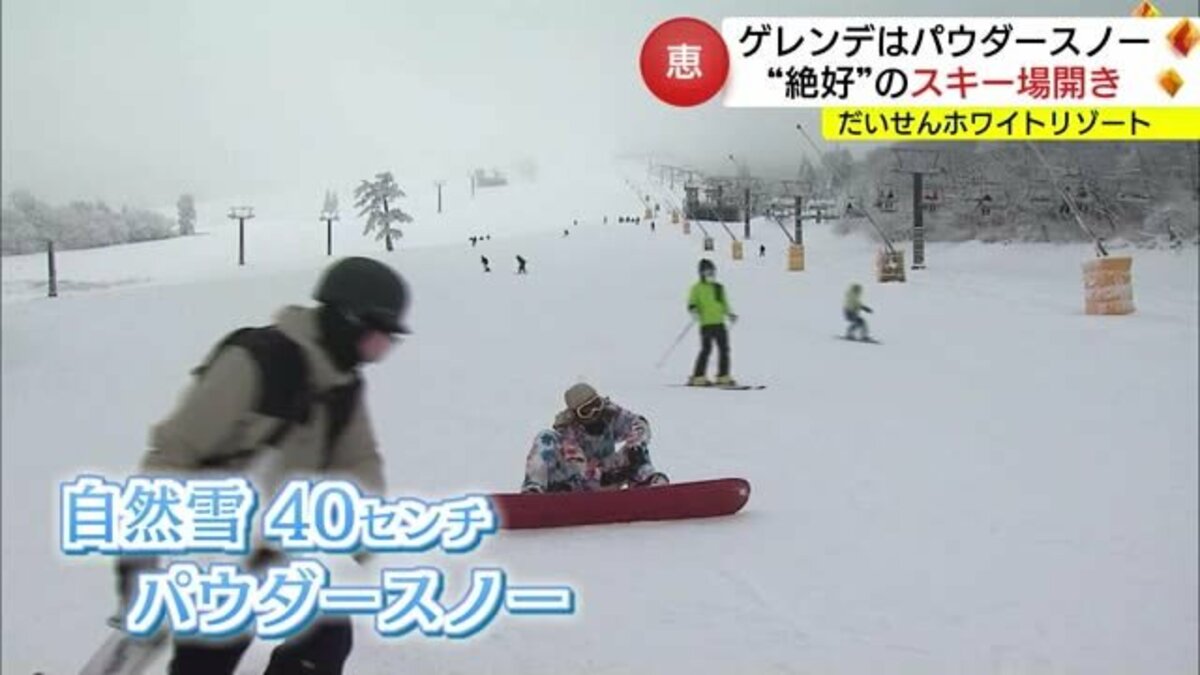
(700, 499)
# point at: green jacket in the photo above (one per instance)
(853, 303)
(710, 301)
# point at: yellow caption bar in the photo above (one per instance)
(1010, 124)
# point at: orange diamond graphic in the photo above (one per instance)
(1183, 37)
(1145, 8)
(1170, 81)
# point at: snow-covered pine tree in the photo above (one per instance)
(187, 214)
(331, 202)
(377, 201)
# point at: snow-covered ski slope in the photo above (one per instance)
(1005, 486)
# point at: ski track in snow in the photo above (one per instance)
(1004, 486)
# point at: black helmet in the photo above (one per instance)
(707, 265)
(368, 290)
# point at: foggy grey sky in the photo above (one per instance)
(139, 100)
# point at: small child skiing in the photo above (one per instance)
(852, 308)
(521, 266)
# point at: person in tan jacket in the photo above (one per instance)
(292, 389)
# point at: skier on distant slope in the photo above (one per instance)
(594, 444)
(851, 308)
(709, 305)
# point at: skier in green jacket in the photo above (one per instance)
(852, 308)
(709, 305)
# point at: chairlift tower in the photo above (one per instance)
(918, 163)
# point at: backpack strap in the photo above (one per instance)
(283, 370)
(339, 403)
(283, 378)
(285, 392)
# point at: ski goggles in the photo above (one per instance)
(379, 322)
(590, 409)
(385, 329)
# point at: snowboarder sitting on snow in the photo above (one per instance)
(709, 305)
(851, 308)
(593, 445)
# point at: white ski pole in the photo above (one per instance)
(671, 350)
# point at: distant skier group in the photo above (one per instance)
(522, 264)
